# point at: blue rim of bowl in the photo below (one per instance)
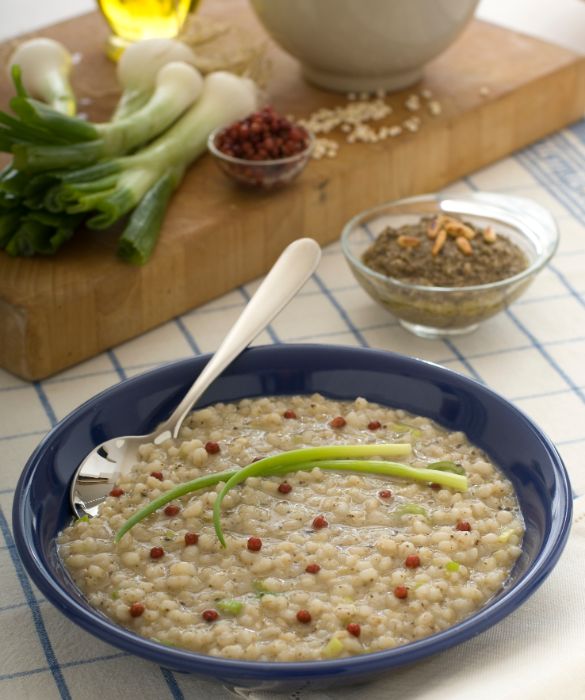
(481, 198)
(192, 662)
(220, 155)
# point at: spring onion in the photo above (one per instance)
(452, 566)
(447, 466)
(103, 193)
(261, 589)
(230, 606)
(333, 648)
(505, 536)
(45, 66)
(412, 509)
(177, 86)
(335, 458)
(138, 67)
(401, 428)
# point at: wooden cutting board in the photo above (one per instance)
(55, 312)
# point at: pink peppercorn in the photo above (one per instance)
(136, 609)
(384, 493)
(116, 492)
(210, 615)
(289, 414)
(374, 425)
(304, 616)
(320, 522)
(338, 422)
(212, 448)
(284, 487)
(412, 561)
(463, 526)
(157, 475)
(401, 591)
(191, 538)
(157, 552)
(172, 509)
(354, 628)
(264, 135)
(254, 544)
(313, 568)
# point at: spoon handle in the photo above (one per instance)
(288, 274)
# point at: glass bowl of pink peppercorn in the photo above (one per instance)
(263, 151)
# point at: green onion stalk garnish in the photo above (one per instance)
(446, 466)
(331, 458)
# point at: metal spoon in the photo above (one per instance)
(101, 469)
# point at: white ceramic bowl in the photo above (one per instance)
(364, 45)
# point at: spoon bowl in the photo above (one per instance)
(99, 472)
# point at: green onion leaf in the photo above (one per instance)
(402, 428)
(333, 648)
(141, 234)
(230, 606)
(447, 466)
(411, 509)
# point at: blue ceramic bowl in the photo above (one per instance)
(529, 459)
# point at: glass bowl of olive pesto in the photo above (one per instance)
(442, 264)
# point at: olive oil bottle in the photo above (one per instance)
(132, 20)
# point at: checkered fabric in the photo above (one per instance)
(533, 354)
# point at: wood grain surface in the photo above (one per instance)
(55, 312)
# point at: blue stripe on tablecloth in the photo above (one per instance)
(116, 364)
(187, 335)
(546, 355)
(14, 606)
(464, 361)
(35, 611)
(66, 664)
(172, 684)
(45, 403)
(357, 334)
(22, 435)
(563, 280)
(559, 168)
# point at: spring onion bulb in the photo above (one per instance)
(334, 458)
(138, 67)
(45, 66)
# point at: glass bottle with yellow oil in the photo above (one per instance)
(132, 20)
